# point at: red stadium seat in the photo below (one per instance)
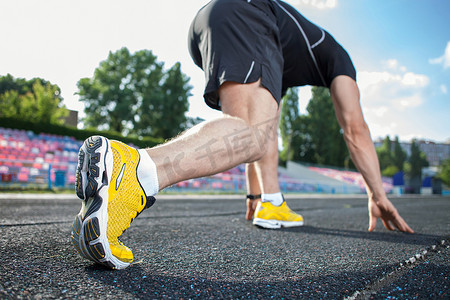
(22, 177)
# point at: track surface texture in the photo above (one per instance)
(202, 247)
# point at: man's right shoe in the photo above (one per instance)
(270, 216)
(112, 197)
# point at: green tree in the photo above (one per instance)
(191, 122)
(399, 156)
(293, 130)
(163, 115)
(385, 153)
(391, 157)
(132, 93)
(35, 100)
(417, 160)
(386, 158)
(288, 119)
(42, 105)
(390, 171)
(413, 166)
(9, 83)
(444, 172)
(23, 86)
(301, 142)
(10, 104)
(326, 135)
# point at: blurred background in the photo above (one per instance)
(121, 69)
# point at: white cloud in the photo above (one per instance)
(408, 102)
(304, 95)
(320, 4)
(380, 111)
(367, 80)
(391, 64)
(381, 129)
(390, 96)
(395, 83)
(444, 59)
(415, 79)
(443, 89)
(392, 99)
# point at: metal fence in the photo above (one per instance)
(29, 160)
(50, 176)
(26, 174)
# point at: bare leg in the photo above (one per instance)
(264, 171)
(267, 166)
(253, 188)
(242, 135)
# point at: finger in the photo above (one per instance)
(387, 225)
(398, 222)
(409, 229)
(372, 223)
(402, 225)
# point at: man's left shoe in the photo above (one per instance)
(270, 216)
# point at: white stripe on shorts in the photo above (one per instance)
(249, 71)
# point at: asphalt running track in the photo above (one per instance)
(201, 247)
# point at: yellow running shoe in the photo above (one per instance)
(270, 216)
(107, 182)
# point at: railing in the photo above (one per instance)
(25, 174)
(47, 161)
(62, 175)
(237, 184)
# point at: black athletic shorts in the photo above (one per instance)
(245, 40)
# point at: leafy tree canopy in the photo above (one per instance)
(132, 93)
(35, 100)
(417, 160)
(391, 157)
(444, 172)
(323, 127)
(315, 137)
(288, 120)
(399, 155)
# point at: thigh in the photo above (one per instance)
(256, 106)
(251, 102)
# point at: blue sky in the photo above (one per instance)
(401, 49)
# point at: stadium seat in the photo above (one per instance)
(22, 177)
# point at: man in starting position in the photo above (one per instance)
(251, 51)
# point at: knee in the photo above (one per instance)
(263, 147)
(250, 141)
(258, 154)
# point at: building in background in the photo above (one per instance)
(427, 183)
(72, 118)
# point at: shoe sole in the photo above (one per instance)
(92, 180)
(275, 224)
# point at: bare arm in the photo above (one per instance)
(345, 95)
